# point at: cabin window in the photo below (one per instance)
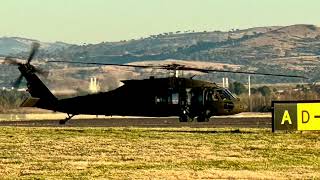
(175, 98)
(197, 97)
(172, 98)
(161, 99)
(189, 95)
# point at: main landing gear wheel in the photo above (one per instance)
(185, 115)
(185, 118)
(66, 119)
(204, 117)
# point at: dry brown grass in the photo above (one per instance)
(154, 153)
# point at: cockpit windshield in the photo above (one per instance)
(225, 94)
(230, 93)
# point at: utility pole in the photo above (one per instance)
(223, 82)
(227, 82)
(249, 93)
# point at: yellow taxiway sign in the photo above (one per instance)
(296, 115)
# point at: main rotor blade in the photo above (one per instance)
(34, 49)
(105, 64)
(185, 68)
(17, 82)
(244, 72)
(10, 60)
(182, 68)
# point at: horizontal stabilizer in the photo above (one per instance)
(30, 102)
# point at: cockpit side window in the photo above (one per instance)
(215, 97)
(212, 96)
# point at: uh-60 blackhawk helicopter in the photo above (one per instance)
(154, 97)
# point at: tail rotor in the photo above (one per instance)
(26, 67)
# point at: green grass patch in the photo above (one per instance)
(157, 152)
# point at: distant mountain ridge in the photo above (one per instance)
(17, 45)
(291, 50)
(235, 46)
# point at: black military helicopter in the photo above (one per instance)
(153, 97)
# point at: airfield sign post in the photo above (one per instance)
(295, 115)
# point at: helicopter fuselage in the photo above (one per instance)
(157, 97)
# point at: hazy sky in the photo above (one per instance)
(94, 21)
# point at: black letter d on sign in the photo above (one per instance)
(303, 120)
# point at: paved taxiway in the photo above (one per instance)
(249, 122)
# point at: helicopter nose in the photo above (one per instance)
(240, 107)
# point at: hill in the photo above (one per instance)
(291, 49)
(17, 45)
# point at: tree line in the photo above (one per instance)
(11, 99)
(262, 97)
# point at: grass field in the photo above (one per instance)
(154, 153)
